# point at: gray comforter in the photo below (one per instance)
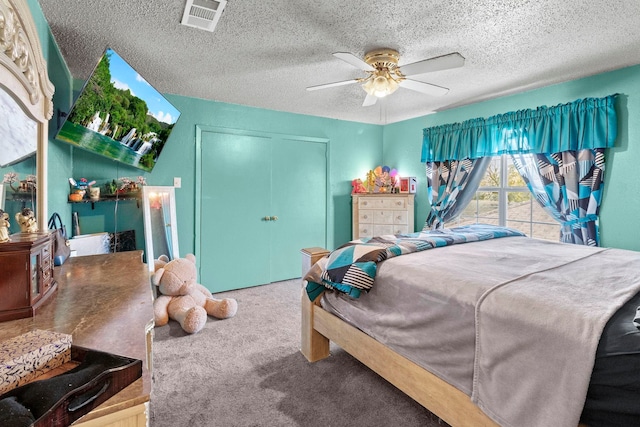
(512, 322)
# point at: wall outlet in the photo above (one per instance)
(177, 182)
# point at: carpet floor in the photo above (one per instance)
(248, 371)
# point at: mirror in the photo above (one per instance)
(160, 225)
(25, 84)
(18, 136)
(18, 143)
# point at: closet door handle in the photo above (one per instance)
(267, 218)
(274, 218)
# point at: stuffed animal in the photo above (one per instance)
(4, 226)
(358, 186)
(183, 299)
(27, 221)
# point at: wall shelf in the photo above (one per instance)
(108, 199)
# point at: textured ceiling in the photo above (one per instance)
(264, 54)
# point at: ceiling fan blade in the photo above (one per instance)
(426, 88)
(350, 58)
(334, 84)
(369, 101)
(444, 62)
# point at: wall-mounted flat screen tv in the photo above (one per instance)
(119, 115)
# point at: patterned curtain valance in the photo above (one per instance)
(583, 124)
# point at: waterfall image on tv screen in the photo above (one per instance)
(119, 115)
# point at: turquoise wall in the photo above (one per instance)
(620, 206)
(354, 148)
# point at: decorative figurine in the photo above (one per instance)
(27, 221)
(371, 180)
(383, 181)
(358, 187)
(80, 187)
(4, 226)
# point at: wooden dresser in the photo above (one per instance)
(26, 274)
(377, 214)
(105, 303)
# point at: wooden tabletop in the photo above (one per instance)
(105, 303)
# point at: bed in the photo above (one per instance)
(513, 331)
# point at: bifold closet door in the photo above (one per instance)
(298, 200)
(262, 200)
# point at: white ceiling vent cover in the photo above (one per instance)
(203, 14)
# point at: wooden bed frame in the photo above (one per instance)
(441, 398)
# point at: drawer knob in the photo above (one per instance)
(365, 216)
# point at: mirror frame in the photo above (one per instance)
(147, 191)
(23, 75)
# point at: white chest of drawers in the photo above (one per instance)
(379, 214)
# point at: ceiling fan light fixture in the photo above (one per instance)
(384, 76)
(380, 84)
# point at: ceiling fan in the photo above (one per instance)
(384, 75)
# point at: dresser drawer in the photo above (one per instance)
(366, 216)
(397, 204)
(400, 217)
(365, 230)
(382, 203)
(383, 217)
(45, 261)
(375, 203)
(47, 278)
(383, 229)
(400, 229)
(371, 230)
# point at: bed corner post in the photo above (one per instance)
(313, 345)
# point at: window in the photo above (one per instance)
(504, 199)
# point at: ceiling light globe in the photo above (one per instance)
(392, 86)
(380, 83)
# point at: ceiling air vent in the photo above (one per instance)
(203, 14)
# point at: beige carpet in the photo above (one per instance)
(248, 371)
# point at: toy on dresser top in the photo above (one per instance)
(382, 179)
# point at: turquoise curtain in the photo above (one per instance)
(568, 185)
(455, 183)
(583, 124)
(559, 151)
